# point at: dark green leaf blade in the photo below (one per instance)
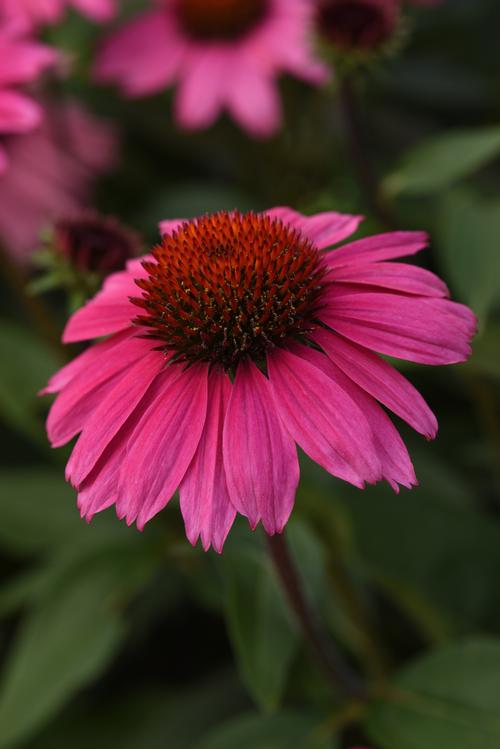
(449, 699)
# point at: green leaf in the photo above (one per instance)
(282, 731)
(449, 582)
(149, 717)
(449, 699)
(469, 248)
(25, 366)
(38, 510)
(63, 645)
(260, 626)
(486, 359)
(443, 160)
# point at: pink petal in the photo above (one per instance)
(163, 444)
(22, 61)
(323, 419)
(143, 56)
(111, 414)
(123, 283)
(409, 279)
(4, 161)
(260, 458)
(99, 490)
(169, 225)
(380, 247)
(82, 362)
(429, 331)
(253, 99)
(200, 96)
(18, 113)
(396, 464)
(98, 318)
(204, 498)
(380, 380)
(78, 399)
(110, 310)
(66, 422)
(99, 10)
(323, 229)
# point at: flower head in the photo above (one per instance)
(21, 62)
(94, 244)
(224, 55)
(49, 172)
(238, 338)
(361, 25)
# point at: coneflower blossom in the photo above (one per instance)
(236, 339)
(49, 173)
(225, 55)
(21, 62)
(22, 15)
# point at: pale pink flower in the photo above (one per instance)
(21, 62)
(49, 174)
(22, 15)
(225, 55)
(248, 339)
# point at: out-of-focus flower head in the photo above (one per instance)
(358, 32)
(50, 173)
(238, 338)
(21, 62)
(359, 25)
(23, 15)
(79, 252)
(224, 55)
(95, 244)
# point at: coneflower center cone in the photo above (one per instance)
(220, 19)
(229, 286)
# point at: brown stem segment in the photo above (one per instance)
(339, 673)
(359, 153)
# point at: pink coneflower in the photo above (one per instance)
(224, 55)
(21, 62)
(49, 174)
(26, 14)
(236, 339)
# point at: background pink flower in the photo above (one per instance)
(21, 62)
(225, 55)
(49, 174)
(298, 330)
(26, 14)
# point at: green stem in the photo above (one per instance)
(330, 659)
(359, 153)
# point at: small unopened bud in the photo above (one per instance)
(95, 244)
(359, 28)
(79, 252)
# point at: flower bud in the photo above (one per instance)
(95, 244)
(358, 25)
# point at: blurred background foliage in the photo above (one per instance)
(113, 638)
